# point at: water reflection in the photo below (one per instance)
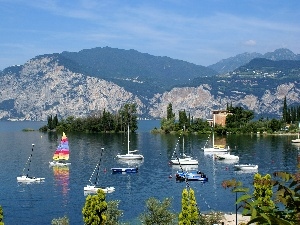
(61, 176)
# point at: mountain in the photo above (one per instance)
(86, 82)
(228, 65)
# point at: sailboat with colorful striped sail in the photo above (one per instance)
(61, 154)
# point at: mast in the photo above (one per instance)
(128, 139)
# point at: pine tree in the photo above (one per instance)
(94, 209)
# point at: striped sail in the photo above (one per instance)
(62, 151)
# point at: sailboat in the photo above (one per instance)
(130, 153)
(184, 160)
(61, 154)
(27, 178)
(215, 148)
(297, 140)
(94, 187)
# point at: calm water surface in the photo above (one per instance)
(62, 192)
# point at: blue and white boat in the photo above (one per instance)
(125, 169)
(191, 176)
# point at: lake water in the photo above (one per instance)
(62, 192)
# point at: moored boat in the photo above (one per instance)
(246, 167)
(191, 176)
(61, 154)
(124, 169)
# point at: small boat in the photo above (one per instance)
(297, 140)
(26, 178)
(125, 169)
(130, 153)
(215, 148)
(245, 167)
(191, 176)
(61, 154)
(94, 187)
(184, 160)
(226, 156)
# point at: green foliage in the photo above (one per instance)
(60, 221)
(113, 213)
(170, 114)
(94, 210)
(99, 122)
(260, 205)
(158, 213)
(189, 210)
(1, 216)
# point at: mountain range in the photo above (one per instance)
(86, 82)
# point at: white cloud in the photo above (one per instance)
(250, 43)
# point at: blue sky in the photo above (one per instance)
(198, 31)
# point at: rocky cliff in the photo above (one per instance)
(44, 86)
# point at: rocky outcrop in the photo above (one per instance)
(44, 87)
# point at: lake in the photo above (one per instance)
(62, 192)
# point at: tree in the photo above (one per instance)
(113, 213)
(260, 205)
(1, 216)
(157, 212)
(284, 110)
(94, 210)
(189, 209)
(170, 114)
(60, 221)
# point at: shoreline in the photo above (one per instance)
(230, 219)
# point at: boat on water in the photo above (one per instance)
(131, 154)
(124, 169)
(226, 156)
(191, 176)
(214, 147)
(94, 187)
(62, 152)
(246, 167)
(297, 140)
(25, 177)
(184, 160)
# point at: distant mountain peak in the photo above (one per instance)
(232, 63)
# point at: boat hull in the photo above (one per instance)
(124, 170)
(191, 176)
(57, 163)
(184, 162)
(226, 156)
(29, 179)
(94, 189)
(130, 156)
(246, 167)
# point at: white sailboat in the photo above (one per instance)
(94, 187)
(130, 153)
(297, 140)
(215, 148)
(185, 159)
(27, 178)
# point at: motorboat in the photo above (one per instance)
(246, 167)
(125, 169)
(191, 176)
(226, 156)
(131, 154)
